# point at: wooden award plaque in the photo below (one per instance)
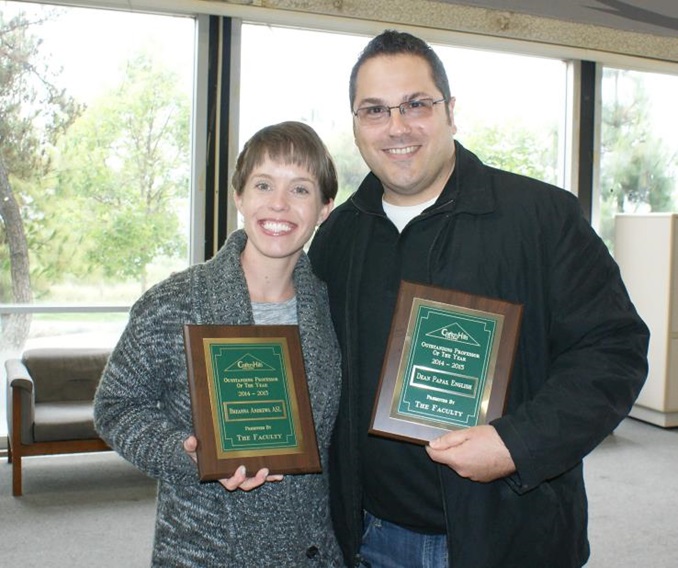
(249, 400)
(448, 363)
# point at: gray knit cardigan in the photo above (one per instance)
(142, 409)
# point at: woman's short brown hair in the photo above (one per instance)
(289, 142)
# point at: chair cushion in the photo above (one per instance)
(64, 421)
(65, 374)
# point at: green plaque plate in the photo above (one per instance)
(448, 363)
(249, 400)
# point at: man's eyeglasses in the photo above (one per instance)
(413, 110)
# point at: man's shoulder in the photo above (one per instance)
(332, 237)
(341, 210)
(520, 188)
(508, 187)
(337, 220)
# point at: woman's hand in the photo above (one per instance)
(239, 479)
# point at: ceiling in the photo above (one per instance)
(658, 17)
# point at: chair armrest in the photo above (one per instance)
(18, 375)
(20, 401)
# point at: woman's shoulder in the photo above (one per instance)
(171, 294)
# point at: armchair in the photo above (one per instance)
(50, 404)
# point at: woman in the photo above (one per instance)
(284, 186)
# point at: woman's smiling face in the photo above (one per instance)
(281, 205)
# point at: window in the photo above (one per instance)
(639, 146)
(510, 109)
(282, 78)
(95, 155)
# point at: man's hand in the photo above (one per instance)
(477, 453)
(239, 479)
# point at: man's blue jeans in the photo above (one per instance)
(386, 545)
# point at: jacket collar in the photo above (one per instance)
(467, 191)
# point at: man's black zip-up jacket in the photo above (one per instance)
(580, 364)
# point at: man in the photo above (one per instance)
(509, 494)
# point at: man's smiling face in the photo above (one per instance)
(413, 158)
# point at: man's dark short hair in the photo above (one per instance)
(392, 42)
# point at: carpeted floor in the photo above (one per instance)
(96, 510)
(89, 510)
(632, 485)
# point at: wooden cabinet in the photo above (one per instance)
(646, 249)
